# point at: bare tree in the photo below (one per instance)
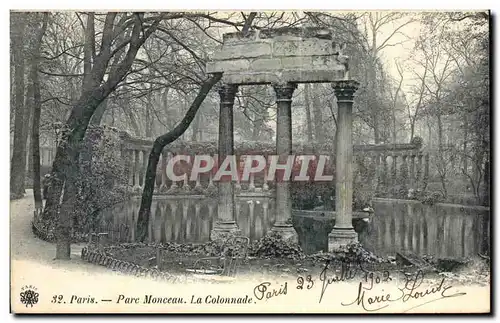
(37, 107)
(163, 140)
(17, 166)
(94, 90)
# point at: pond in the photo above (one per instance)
(442, 231)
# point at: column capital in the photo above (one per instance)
(284, 91)
(345, 89)
(227, 93)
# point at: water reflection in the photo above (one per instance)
(440, 230)
(191, 219)
(413, 227)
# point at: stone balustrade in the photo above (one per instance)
(393, 165)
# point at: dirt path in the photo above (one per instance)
(24, 246)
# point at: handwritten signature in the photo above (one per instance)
(265, 291)
(348, 271)
(410, 290)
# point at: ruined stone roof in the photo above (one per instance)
(279, 55)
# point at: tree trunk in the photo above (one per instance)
(17, 168)
(37, 108)
(133, 120)
(307, 93)
(441, 155)
(195, 127)
(330, 105)
(148, 129)
(154, 156)
(466, 134)
(257, 126)
(28, 121)
(99, 113)
(94, 90)
(412, 129)
(486, 181)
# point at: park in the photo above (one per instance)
(193, 145)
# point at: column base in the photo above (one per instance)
(287, 232)
(224, 230)
(339, 238)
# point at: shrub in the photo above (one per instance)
(426, 197)
(273, 245)
(100, 180)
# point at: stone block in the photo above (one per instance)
(296, 75)
(260, 64)
(296, 62)
(222, 231)
(287, 233)
(228, 65)
(340, 238)
(308, 47)
(244, 50)
(238, 37)
(319, 62)
(291, 32)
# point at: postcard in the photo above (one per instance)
(250, 162)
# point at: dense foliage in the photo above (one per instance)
(100, 180)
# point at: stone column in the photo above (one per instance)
(225, 224)
(282, 225)
(343, 232)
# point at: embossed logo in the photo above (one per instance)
(29, 295)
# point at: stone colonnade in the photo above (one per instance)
(343, 231)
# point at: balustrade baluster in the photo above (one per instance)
(211, 187)
(265, 186)
(265, 215)
(145, 156)
(157, 182)
(185, 185)
(251, 218)
(237, 186)
(164, 161)
(378, 172)
(419, 171)
(394, 170)
(397, 231)
(167, 223)
(426, 171)
(152, 220)
(186, 219)
(388, 233)
(251, 184)
(385, 173)
(412, 171)
(404, 172)
(237, 208)
(129, 160)
(175, 221)
(173, 188)
(136, 170)
(198, 186)
(197, 220)
(158, 224)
